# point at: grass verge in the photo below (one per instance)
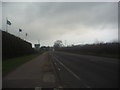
(11, 64)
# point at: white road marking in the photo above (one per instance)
(59, 69)
(70, 71)
(55, 63)
(67, 69)
(37, 88)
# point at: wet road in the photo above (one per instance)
(83, 71)
(66, 70)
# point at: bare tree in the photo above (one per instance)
(58, 44)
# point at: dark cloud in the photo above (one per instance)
(60, 20)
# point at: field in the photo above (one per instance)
(103, 49)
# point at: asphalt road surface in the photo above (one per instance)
(84, 71)
(60, 69)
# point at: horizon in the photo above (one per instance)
(72, 23)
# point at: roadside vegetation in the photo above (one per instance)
(99, 49)
(11, 64)
(15, 52)
(13, 46)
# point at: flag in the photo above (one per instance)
(20, 30)
(8, 22)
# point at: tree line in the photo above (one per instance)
(110, 49)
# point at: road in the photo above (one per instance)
(84, 71)
(66, 70)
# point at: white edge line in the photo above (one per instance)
(37, 88)
(70, 71)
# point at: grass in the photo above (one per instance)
(11, 64)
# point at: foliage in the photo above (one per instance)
(13, 46)
(58, 44)
(101, 49)
(11, 64)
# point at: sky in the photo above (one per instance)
(72, 22)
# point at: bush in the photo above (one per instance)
(13, 46)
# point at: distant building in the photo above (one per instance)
(37, 47)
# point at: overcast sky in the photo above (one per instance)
(73, 22)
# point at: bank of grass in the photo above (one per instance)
(11, 64)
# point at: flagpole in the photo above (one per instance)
(20, 30)
(6, 25)
(19, 35)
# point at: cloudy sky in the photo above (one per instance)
(73, 22)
